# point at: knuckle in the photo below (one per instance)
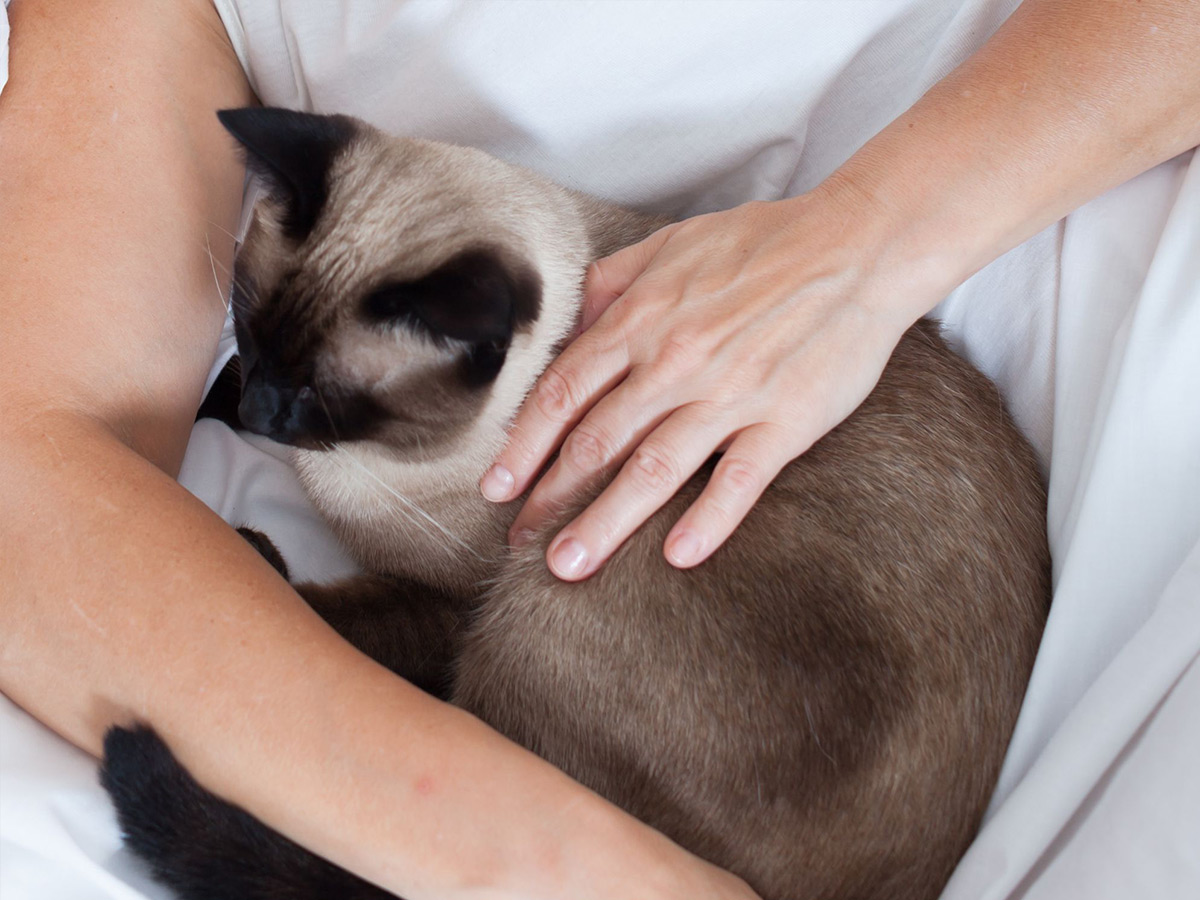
(713, 414)
(629, 314)
(586, 449)
(650, 468)
(680, 355)
(739, 476)
(556, 395)
(607, 334)
(693, 226)
(596, 276)
(731, 393)
(523, 453)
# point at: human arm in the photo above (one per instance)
(760, 328)
(122, 597)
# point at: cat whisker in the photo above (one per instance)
(216, 280)
(408, 517)
(220, 265)
(244, 297)
(812, 727)
(225, 231)
(411, 506)
(328, 414)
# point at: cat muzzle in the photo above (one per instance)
(281, 411)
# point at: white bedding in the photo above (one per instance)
(1092, 329)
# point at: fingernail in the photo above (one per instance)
(520, 537)
(497, 484)
(684, 550)
(568, 558)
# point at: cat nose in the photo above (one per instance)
(260, 405)
(275, 409)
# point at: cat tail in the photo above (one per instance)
(202, 847)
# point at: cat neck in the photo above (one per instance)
(424, 520)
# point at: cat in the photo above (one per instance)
(821, 707)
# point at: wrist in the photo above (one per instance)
(949, 186)
(900, 271)
(582, 846)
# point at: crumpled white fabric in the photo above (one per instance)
(1091, 329)
(1100, 792)
(4, 45)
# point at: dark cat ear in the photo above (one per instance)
(292, 152)
(475, 296)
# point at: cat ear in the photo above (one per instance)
(476, 296)
(292, 152)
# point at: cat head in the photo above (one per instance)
(394, 291)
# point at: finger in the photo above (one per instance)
(610, 277)
(600, 442)
(587, 370)
(752, 461)
(655, 470)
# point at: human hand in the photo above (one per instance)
(754, 330)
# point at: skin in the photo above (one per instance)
(125, 599)
(757, 330)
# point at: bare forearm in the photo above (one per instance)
(126, 599)
(1068, 99)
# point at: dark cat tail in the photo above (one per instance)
(202, 847)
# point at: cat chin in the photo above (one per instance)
(426, 520)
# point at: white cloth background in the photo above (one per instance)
(1091, 328)
(4, 45)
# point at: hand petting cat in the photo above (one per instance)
(754, 330)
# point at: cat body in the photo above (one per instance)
(821, 707)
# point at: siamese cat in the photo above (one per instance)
(821, 707)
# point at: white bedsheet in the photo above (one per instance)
(1092, 329)
(4, 45)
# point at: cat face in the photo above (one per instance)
(393, 291)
